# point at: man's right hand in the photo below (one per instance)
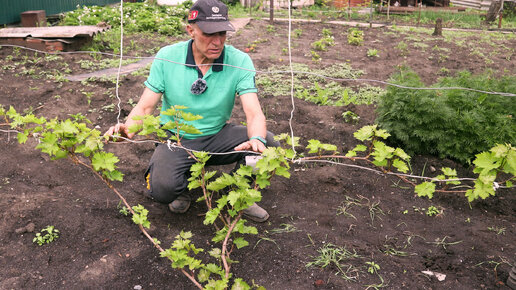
(145, 106)
(119, 129)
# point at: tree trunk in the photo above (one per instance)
(493, 11)
(438, 31)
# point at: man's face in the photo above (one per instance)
(208, 46)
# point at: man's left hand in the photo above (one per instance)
(251, 145)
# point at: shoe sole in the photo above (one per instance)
(256, 219)
(174, 210)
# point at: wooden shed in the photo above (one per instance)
(476, 4)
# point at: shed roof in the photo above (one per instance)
(52, 32)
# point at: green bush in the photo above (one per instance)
(355, 36)
(449, 123)
(138, 17)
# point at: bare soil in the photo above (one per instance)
(472, 244)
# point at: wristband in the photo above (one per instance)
(259, 138)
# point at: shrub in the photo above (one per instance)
(449, 123)
(137, 17)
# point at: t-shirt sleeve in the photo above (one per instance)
(246, 83)
(155, 81)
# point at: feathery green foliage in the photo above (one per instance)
(450, 123)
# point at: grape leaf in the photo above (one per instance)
(425, 189)
(240, 242)
(104, 160)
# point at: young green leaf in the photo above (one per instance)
(400, 165)
(211, 216)
(240, 242)
(240, 284)
(114, 175)
(425, 189)
(23, 137)
(140, 216)
(104, 160)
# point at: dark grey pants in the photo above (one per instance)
(169, 170)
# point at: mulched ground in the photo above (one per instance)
(472, 244)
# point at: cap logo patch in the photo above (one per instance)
(215, 9)
(193, 15)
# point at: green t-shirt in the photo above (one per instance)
(169, 76)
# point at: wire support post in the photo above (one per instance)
(120, 61)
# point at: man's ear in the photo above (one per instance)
(190, 30)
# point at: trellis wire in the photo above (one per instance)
(171, 145)
(274, 72)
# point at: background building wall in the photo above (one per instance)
(10, 11)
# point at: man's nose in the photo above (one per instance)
(218, 39)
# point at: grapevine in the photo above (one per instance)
(227, 195)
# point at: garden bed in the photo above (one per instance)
(321, 208)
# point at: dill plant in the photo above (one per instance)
(449, 123)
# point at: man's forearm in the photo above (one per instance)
(135, 112)
(256, 126)
(145, 106)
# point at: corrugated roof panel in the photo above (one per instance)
(475, 4)
(51, 32)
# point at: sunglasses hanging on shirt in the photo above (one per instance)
(200, 85)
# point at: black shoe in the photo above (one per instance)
(256, 213)
(181, 204)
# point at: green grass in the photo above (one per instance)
(337, 257)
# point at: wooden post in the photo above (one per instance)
(500, 16)
(349, 9)
(388, 8)
(438, 31)
(271, 11)
(371, 14)
(419, 15)
(494, 10)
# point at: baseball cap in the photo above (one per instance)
(211, 16)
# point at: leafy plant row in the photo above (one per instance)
(138, 17)
(227, 195)
(310, 85)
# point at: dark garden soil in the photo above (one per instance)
(472, 244)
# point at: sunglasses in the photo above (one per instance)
(199, 86)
